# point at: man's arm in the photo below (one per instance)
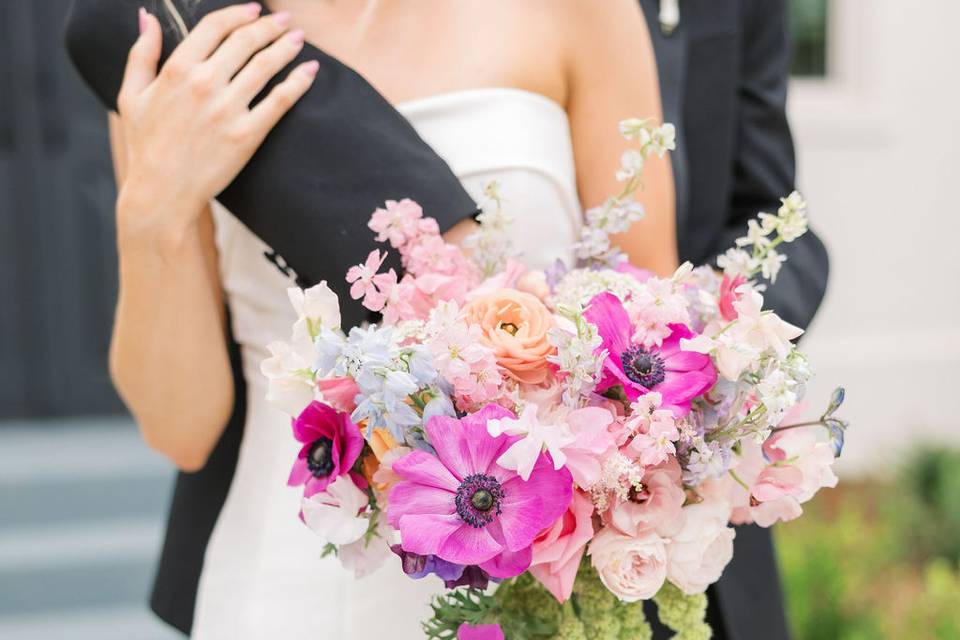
(765, 167)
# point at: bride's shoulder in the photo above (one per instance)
(592, 20)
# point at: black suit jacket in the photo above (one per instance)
(308, 193)
(723, 77)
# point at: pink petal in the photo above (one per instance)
(613, 324)
(484, 448)
(468, 545)
(522, 518)
(451, 441)
(408, 498)
(351, 439)
(479, 632)
(426, 533)
(685, 361)
(509, 563)
(300, 473)
(681, 387)
(554, 487)
(423, 468)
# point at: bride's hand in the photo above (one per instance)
(189, 129)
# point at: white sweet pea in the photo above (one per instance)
(523, 454)
(763, 329)
(315, 307)
(366, 556)
(290, 381)
(333, 514)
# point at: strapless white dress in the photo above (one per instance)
(263, 576)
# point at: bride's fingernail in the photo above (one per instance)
(295, 36)
(311, 68)
(142, 19)
(254, 8)
(282, 18)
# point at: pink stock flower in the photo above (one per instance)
(331, 444)
(729, 295)
(657, 506)
(397, 223)
(479, 632)
(678, 376)
(461, 506)
(656, 431)
(557, 551)
(339, 393)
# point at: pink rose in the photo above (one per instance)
(658, 506)
(698, 554)
(557, 550)
(632, 567)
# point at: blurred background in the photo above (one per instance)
(875, 106)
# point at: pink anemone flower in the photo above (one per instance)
(678, 376)
(331, 444)
(463, 507)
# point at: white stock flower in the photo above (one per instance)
(737, 262)
(771, 263)
(631, 164)
(333, 514)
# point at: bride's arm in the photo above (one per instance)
(612, 75)
(182, 135)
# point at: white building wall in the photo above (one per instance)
(879, 160)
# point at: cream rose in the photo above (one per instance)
(514, 324)
(698, 554)
(632, 567)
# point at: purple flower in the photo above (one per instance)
(331, 444)
(678, 376)
(463, 507)
(479, 632)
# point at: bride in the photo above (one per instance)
(525, 92)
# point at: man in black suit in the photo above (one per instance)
(723, 75)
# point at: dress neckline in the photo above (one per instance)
(447, 97)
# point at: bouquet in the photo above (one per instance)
(555, 446)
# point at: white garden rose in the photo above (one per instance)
(698, 554)
(632, 567)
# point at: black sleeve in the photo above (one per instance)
(309, 190)
(764, 163)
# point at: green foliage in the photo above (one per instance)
(455, 607)
(682, 613)
(878, 560)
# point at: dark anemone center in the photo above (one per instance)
(478, 499)
(643, 366)
(320, 457)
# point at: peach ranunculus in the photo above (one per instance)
(515, 324)
(557, 551)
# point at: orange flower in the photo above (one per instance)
(515, 324)
(381, 442)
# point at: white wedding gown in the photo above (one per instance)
(263, 577)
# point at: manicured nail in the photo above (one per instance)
(254, 8)
(311, 68)
(295, 36)
(282, 18)
(142, 19)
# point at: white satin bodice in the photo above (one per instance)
(262, 574)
